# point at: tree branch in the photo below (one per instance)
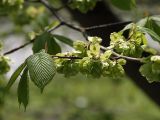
(15, 49)
(67, 57)
(77, 28)
(126, 57)
(107, 25)
(122, 56)
(53, 11)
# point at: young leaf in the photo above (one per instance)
(153, 24)
(46, 39)
(41, 69)
(52, 25)
(39, 42)
(63, 39)
(156, 18)
(15, 75)
(142, 22)
(127, 27)
(23, 89)
(146, 71)
(150, 32)
(124, 4)
(52, 46)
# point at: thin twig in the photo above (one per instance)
(122, 56)
(54, 28)
(24, 45)
(107, 25)
(126, 57)
(15, 49)
(77, 28)
(67, 57)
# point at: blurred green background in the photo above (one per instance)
(79, 98)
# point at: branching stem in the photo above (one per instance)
(77, 28)
(20, 47)
(66, 57)
(122, 56)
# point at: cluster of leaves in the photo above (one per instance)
(7, 6)
(91, 62)
(31, 12)
(87, 57)
(131, 46)
(33, 16)
(151, 69)
(48, 41)
(86, 5)
(83, 5)
(4, 63)
(39, 68)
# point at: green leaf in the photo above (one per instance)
(40, 41)
(142, 22)
(106, 55)
(41, 69)
(46, 40)
(94, 50)
(63, 39)
(23, 89)
(127, 27)
(124, 4)
(53, 47)
(83, 5)
(152, 24)
(154, 35)
(42, 21)
(146, 71)
(52, 25)
(149, 50)
(15, 75)
(156, 68)
(155, 58)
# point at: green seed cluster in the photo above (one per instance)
(83, 5)
(90, 61)
(7, 6)
(4, 65)
(132, 46)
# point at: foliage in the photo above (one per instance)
(89, 58)
(23, 89)
(8, 6)
(41, 69)
(129, 4)
(83, 5)
(4, 63)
